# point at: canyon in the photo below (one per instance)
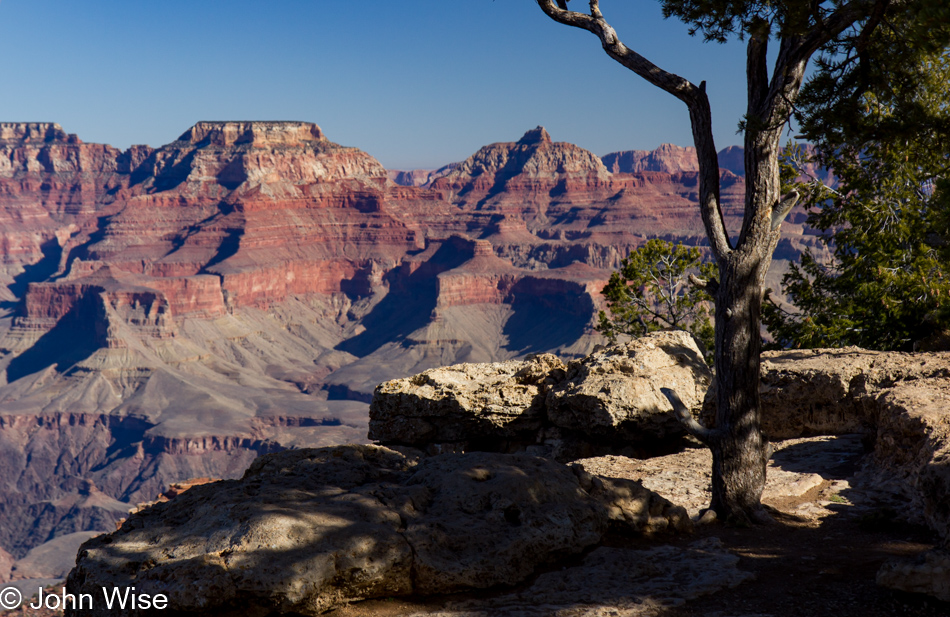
(171, 313)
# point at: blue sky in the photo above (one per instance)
(417, 83)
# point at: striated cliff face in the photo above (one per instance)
(170, 312)
(419, 177)
(50, 184)
(255, 134)
(103, 463)
(534, 169)
(667, 159)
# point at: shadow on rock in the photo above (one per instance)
(306, 530)
(75, 337)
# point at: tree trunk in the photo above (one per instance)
(740, 450)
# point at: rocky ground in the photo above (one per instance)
(833, 530)
(512, 534)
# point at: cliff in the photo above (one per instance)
(170, 312)
(419, 177)
(666, 159)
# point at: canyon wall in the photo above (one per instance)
(171, 312)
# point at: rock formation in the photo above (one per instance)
(838, 391)
(925, 574)
(495, 404)
(899, 402)
(306, 530)
(608, 401)
(174, 312)
(419, 177)
(614, 394)
(613, 581)
(667, 159)
(291, 535)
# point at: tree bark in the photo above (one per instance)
(739, 450)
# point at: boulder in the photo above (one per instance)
(613, 582)
(306, 530)
(614, 394)
(832, 391)
(912, 445)
(901, 403)
(928, 573)
(606, 402)
(496, 402)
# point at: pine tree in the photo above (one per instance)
(887, 224)
(652, 291)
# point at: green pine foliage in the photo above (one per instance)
(887, 223)
(651, 292)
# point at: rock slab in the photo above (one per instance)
(616, 582)
(614, 394)
(807, 392)
(306, 530)
(901, 403)
(609, 399)
(465, 402)
(928, 574)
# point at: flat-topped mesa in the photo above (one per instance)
(254, 133)
(34, 132)
(256, 163)
(668, 158)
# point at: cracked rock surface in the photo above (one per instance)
(306, 530)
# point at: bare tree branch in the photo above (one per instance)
(694, 428)
(757, 72)
(836, 23)
(784, 206)
(797, 50)
(693, 96)
(786, 81)
(711, 286)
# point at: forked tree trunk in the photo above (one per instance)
(738, 446)
(740, 451)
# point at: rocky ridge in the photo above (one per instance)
(899, 403)
(609, 401)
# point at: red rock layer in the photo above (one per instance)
(51, 185)
(237, 214)
(274, 210)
